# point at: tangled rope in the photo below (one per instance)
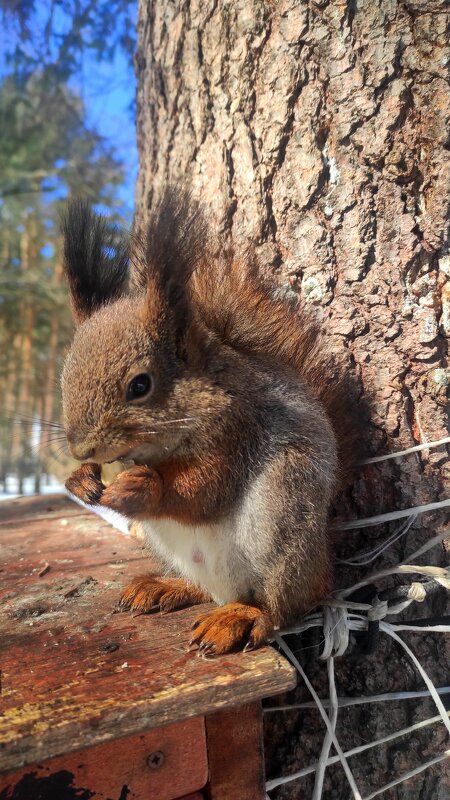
(342, 614)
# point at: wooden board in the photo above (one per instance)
(235, 754)
(74, 672)
(44, 506)
(162, 764)
(196, 796)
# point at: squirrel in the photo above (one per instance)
(231, 407)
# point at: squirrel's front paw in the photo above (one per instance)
(85, 483)
(234, 626)
(150, 593)
(134, 493)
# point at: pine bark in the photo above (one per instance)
(320, 131)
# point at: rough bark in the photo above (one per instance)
(320, 130)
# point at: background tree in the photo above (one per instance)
(320, 131)
(55, 37)
(49, 149)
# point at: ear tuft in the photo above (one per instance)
(176, 243)
(96, 259)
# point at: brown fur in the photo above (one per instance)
(136, 492)
(183, 489)
(244, 439)
(150, 593)
(241, 309)
(86, 483)
(231, 627)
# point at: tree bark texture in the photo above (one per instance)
(320, 131)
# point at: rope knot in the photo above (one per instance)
(335, 631)
(378, 611)
(417, 592)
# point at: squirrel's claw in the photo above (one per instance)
(86, 484)
(148, 593)
(234, 626)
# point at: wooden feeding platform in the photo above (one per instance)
(100, 704)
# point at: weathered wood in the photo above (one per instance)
(235, 754)
(53, 505)
(196, 796)
(74, 672)
(161, 764)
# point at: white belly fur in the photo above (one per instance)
(220, 569)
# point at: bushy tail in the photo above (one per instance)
(232, 300)
(246, 314)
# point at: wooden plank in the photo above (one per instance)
(234, 740)
(25, 548)
(196, 796)
(162, 764)
(74, 672)
(39, 506)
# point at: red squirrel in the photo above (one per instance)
(229, 405)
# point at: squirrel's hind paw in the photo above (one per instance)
(234, 626)
(85, 483)
(148, 593)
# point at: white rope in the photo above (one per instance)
(420, 628)
(407, 775)
(354, 751)
(362, 559)
(335, 631)
(282, 644)
(333, 703)
(428, 545)
(384, 626)
(360, 624)
(366, 522)
(328, 740)
(400, 453)
(439, 574)
(337, 619)
(345, 702)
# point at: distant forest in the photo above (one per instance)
(50, 149)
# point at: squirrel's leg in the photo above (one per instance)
(151, 593)
(188, 490)
(235, 626)
(142, 492)
(135, 492)
(289, 538)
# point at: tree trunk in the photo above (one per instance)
(320, 131)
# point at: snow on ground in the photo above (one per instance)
(10, 490)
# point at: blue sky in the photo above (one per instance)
(108, 90)
(106, 87)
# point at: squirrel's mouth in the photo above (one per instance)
(145, 455)
(126, 462)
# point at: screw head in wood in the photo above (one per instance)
(155, 760)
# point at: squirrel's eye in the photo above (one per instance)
(139, 386)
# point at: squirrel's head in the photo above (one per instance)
(131, 385)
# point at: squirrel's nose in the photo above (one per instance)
(79, 447)
(82, 455)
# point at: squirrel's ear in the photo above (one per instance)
(176, 243)
(96, 260)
